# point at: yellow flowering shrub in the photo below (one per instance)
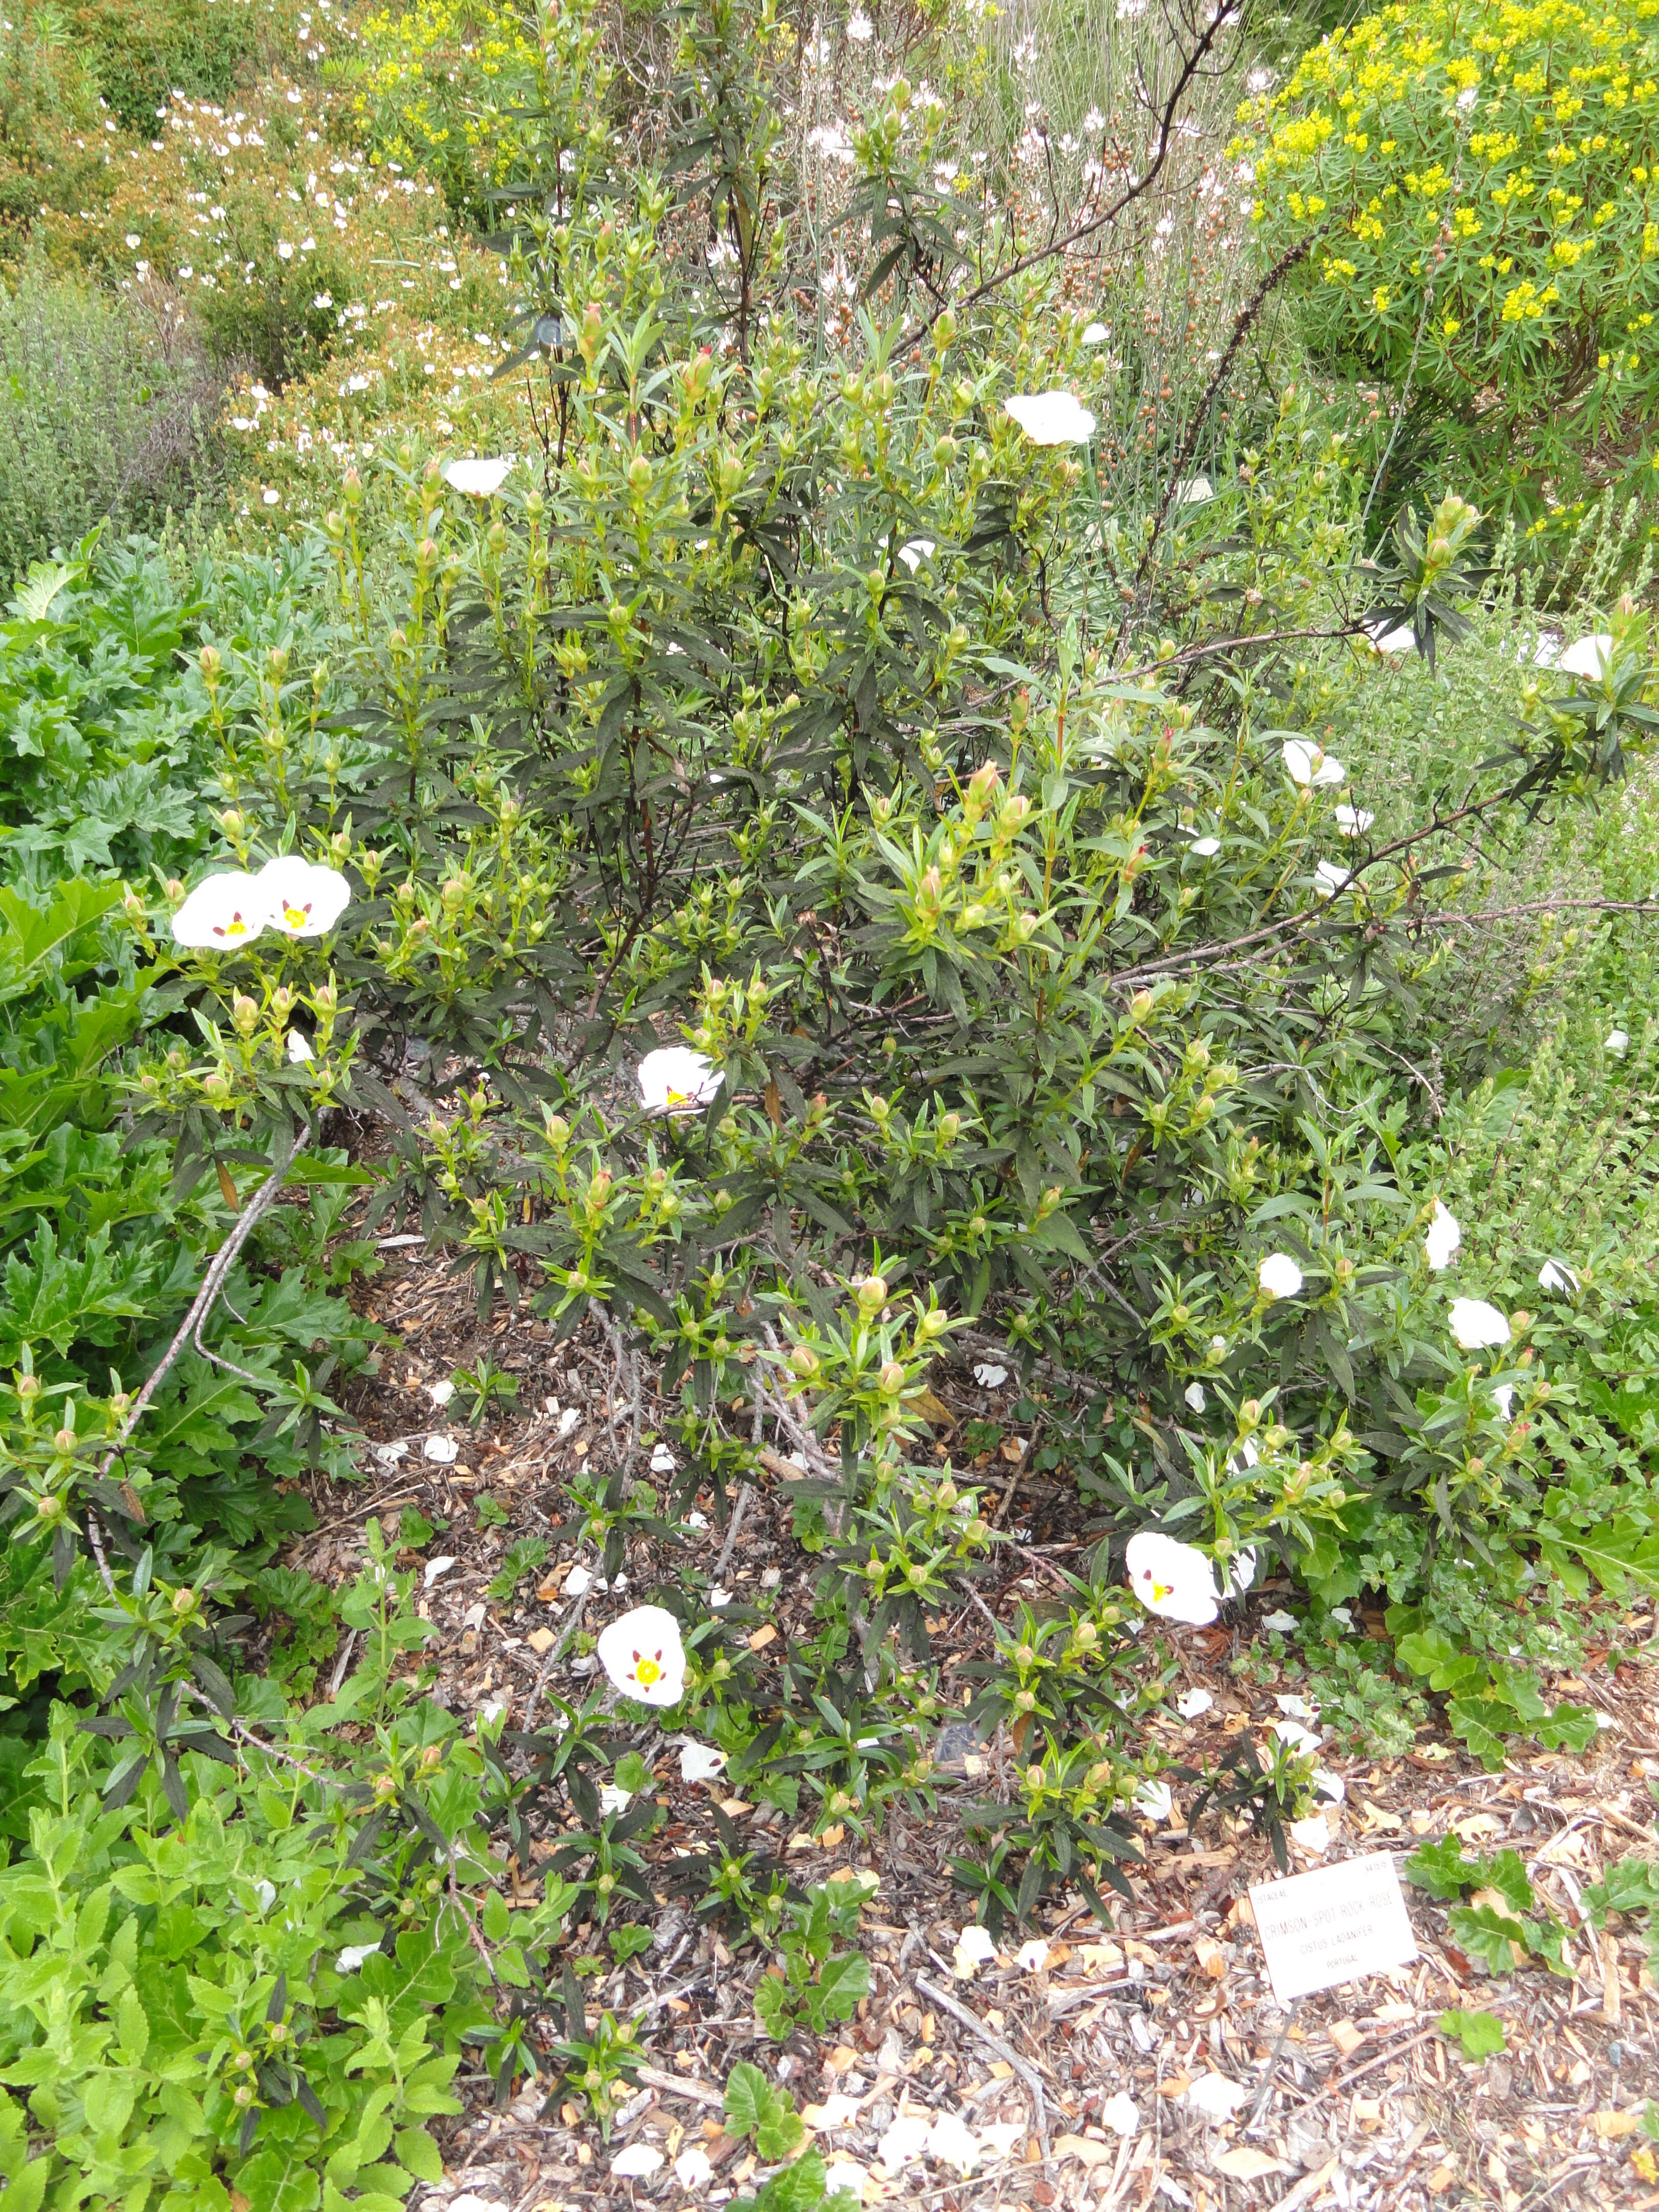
(1476, 188)
(429, 85)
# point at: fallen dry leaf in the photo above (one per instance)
(1084, 2150)
(1345, 2035)
(540, 1640)
(1246, 2163)
(1211, 1959)
(762, 1636)
(1607, 2124)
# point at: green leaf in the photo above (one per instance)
(748, 2093)
(1480, 2033)
(1488, 1936)
(841, 1984)
(1506, 1873)
(780, 2131)
(1442, 1868)
(416, 2150)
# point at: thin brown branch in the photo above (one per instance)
(1226, 15)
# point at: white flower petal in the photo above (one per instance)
(442, 1452)
(904, 2142)
(662, 1461)
(1191, 1703)
(303, 899)
(1587, 656)
(1194, 491)
(1216, 2096)
(1556, 1275)
(1354, 820)
(1279, 1623)
(1205, 848)
(700, 1762)
(440, 1392)
(952, 2143)
(1174, 1580)
(1193, 1394)
(299, 1049)
(989, 1375)
(577, 1582)
(845, 2177)
(1444, 1237)
(1297, 1737)
(352, 1957)
(643, 1655)
(1096, 334)
(613, 1799)
(1309, 766)
(634, 2163)
(477, 479)
(1617, 1041)
(222, 914)
(1156, 1800)
(974, 1946)
(1476, 1326)
(1052, 418)
(1278, 1276)
(675, 1079)
(435, 1569)
(1312, 1835)
(918, 550)
(1120, 2114)
(692, 2169)
(1032, 1955)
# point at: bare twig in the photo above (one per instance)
(1027, 2073)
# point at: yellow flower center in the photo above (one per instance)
(1161, 1590)
(645, 1671)
(234, 927)
(295, 916)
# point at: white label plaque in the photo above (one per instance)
(1340, 1921)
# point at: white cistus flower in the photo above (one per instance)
(674, 1080)
(1096, 334)
(1329, 878)
(299, 1050)
(1174, 1580)
(1617, 1041)
(643, 1655)
(1556, 1275)
(1476, 1326)
(477, 479)
(918, 550)
(1052, 418)
(1311, 765)
(1444, 1237)
(1587, 656)
(1278, 1276)
(222, 913)
(1354, 820)
(303, 899)
(1384, 640)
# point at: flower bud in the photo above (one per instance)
(892, 1379)
(209, 661)
(872, 1291)
(1140, 1006)
(804, 1360)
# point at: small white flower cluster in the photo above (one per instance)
(291, 896)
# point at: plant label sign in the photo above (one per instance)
(1332, 1926)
